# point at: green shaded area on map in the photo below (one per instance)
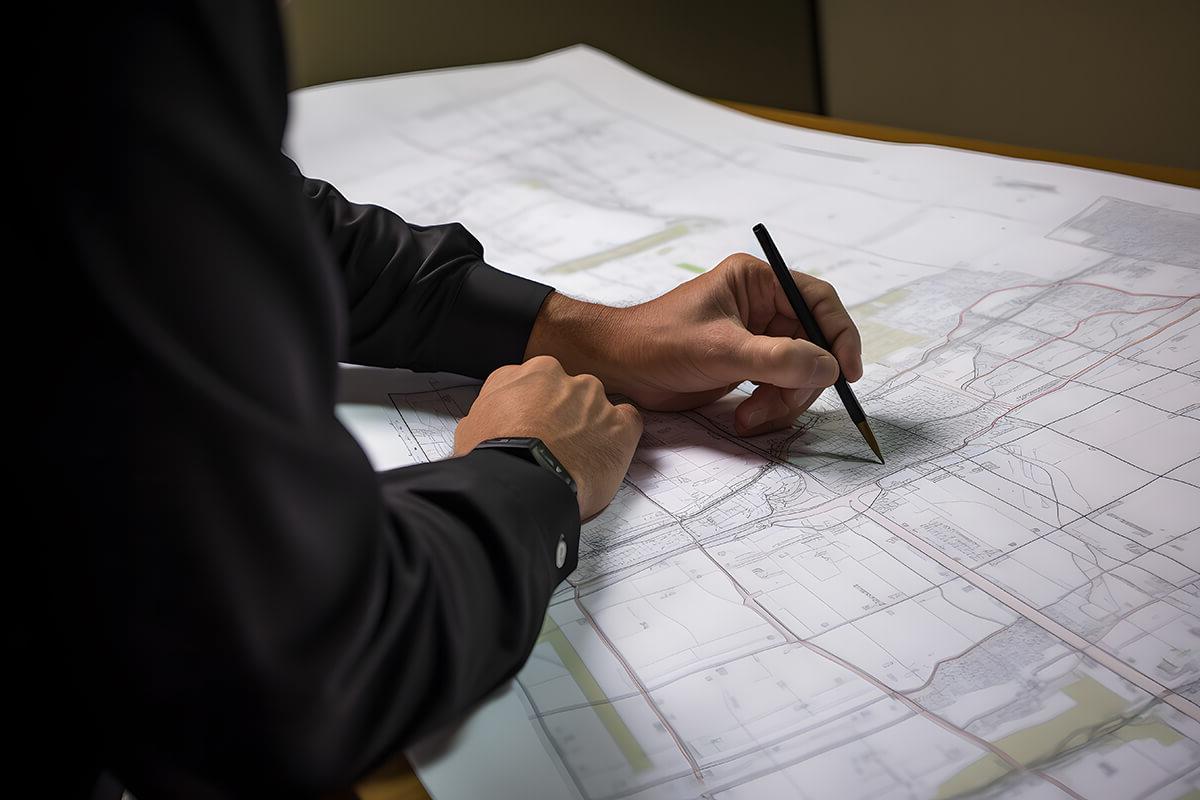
(881, 303)
(607, 714)
(691, 268)
(672, 231)
(880, 340)
(1098, 711)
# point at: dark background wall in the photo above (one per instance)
(711, 47)
(1115, 78)
(1112, 78)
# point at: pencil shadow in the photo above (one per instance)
(843, 457)
(831, 435)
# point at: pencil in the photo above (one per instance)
(804, 314)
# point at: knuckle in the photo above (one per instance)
(543, 363)
(629, 417)
(717, 343)
(823, 288)
(736, 261)
(501, 372)
(755, 263)
(589, 384)
(824, 298)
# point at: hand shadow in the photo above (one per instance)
(831, 435)
(373, 386)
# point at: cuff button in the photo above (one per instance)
(560, 554)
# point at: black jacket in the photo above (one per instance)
(226, 598)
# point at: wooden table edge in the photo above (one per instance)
(885, 133)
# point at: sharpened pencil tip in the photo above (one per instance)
(865, 430)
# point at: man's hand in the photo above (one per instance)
(700, 340)
(592, 438)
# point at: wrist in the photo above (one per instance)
(534, 451)
(586, 338)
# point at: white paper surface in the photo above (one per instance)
(1008, 606)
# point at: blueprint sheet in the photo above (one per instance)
(1009, 606)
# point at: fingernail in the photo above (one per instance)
(824, 371)
(755, 417)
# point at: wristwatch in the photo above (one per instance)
(533, 450)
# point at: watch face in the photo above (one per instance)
(543, 456)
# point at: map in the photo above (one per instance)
(1010, 606)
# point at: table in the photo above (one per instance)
(884, 133)
(396, 780)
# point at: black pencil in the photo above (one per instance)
(814, 334)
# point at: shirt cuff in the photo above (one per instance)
(492, 317)
(546, 504)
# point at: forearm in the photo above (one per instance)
(586, 338)
(419, 296)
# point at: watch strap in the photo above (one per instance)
(534, 450)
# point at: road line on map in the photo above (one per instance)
(1110, 661)
(1066, 337)
(920, 710)
(641, 687)
(1070, 379)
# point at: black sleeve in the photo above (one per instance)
(232, 600)
(421, 297)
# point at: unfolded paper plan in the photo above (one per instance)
(1009, 607)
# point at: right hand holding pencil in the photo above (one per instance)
(697, 342)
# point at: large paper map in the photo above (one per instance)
(1009, 606)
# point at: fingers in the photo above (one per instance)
(666, 400)
(771, 408)
(778, 360)
(594, 438)
(767, 310)
(844, 339)
(764, 406)
(608, 446)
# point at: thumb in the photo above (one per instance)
(779, 360)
